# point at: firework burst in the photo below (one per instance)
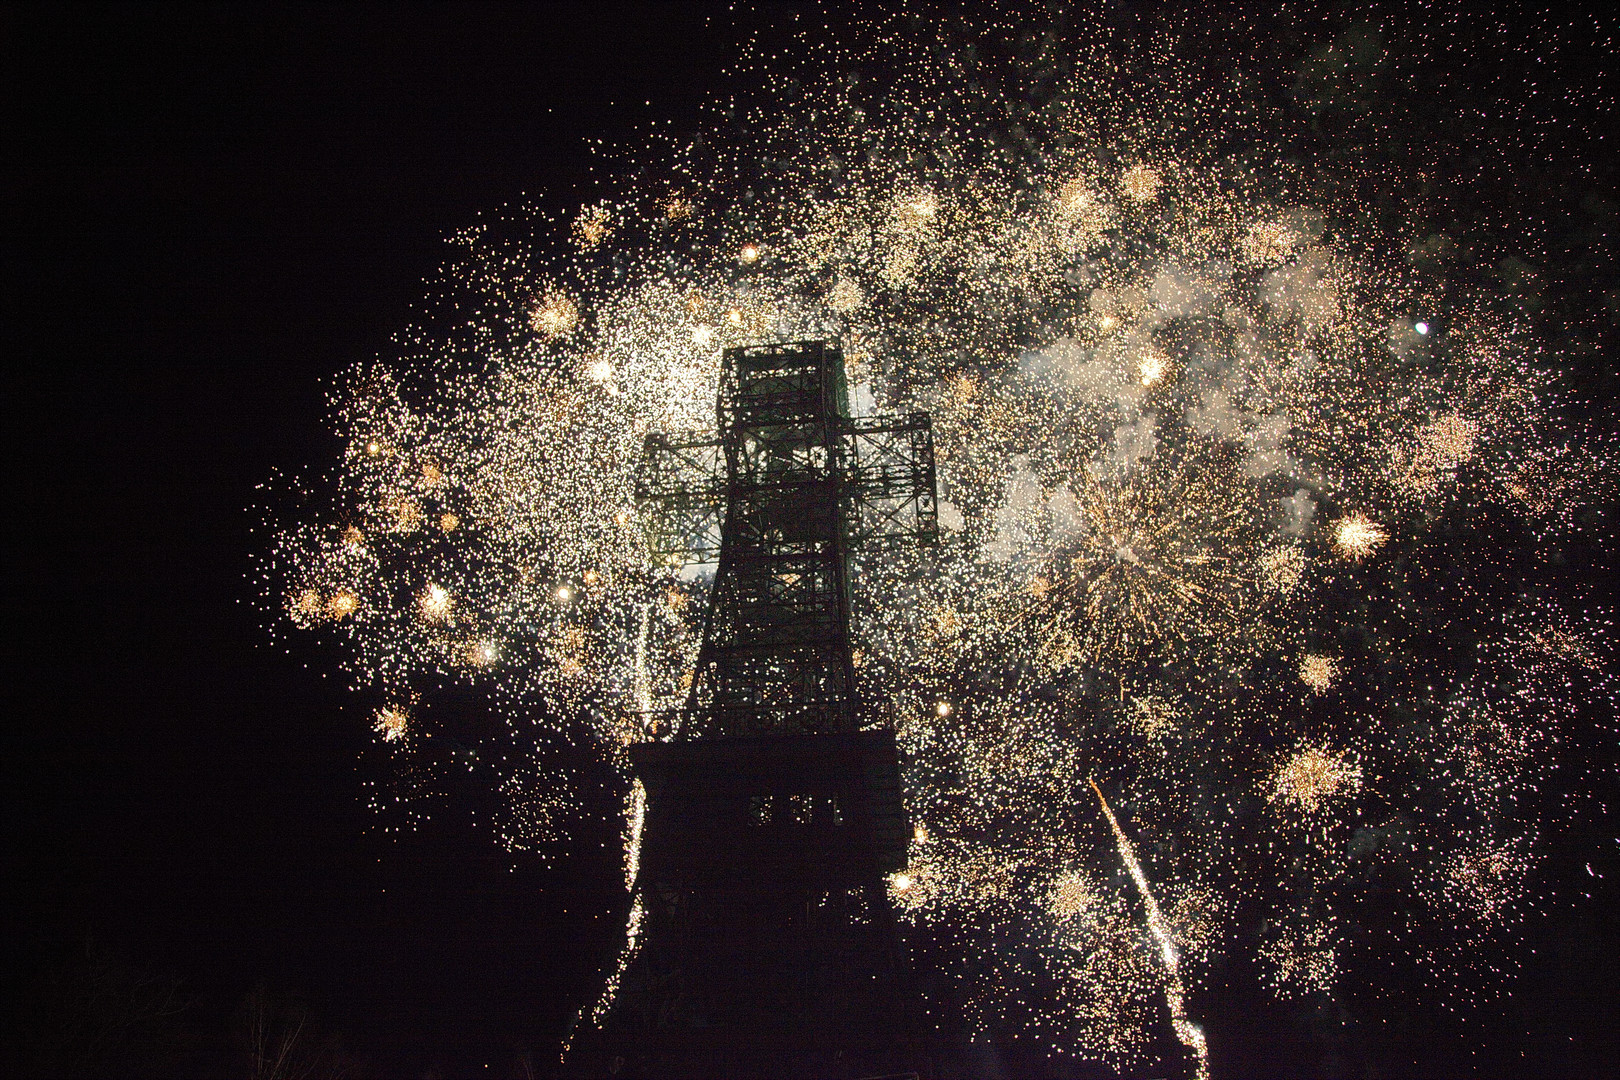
(1196, 437)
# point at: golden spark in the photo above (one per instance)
(1318, 672)
(391, 722)
(1356, 536)
(555, 315)
(1312, 776)
(1141, 183)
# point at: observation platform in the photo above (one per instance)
(822, 809)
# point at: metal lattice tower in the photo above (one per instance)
(768, 947)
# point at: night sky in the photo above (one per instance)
(208, 213)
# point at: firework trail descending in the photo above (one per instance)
(1175, 996)
(1236, 491)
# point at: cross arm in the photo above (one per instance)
(887, 463)
(681, 490)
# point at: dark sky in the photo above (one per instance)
(209, 210)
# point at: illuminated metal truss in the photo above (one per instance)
(883, 466)
(779, 496)
(773, 802)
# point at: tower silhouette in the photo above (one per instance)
(766, 945)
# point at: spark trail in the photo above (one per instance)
(1175, 996)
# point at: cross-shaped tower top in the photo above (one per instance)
(780, 494)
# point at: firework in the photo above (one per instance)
(1302, 957)
(1150, 561)
(1151, 716)
(1198, 430)
(1311, 777)
(1318, 672)
(1282, 568)
(1174, 993)
(555, 315)
(1072, 897)
(1356, 536)
(392, 722)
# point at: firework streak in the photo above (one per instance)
(1174, 995)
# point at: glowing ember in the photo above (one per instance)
(1311, 777)
(1318, 672)
(392, 722)
(1357, 536)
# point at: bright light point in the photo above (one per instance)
(374, 447)
(1153, 366)
(943, 708)
(391, 722)
(435, 603)
(702, 335)
(902, 882)
(1422, 327)
(555, 315)
(565, 594)
(1318, 672)
(749, 253)
(1356, 536)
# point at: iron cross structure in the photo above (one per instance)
(768, 946)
